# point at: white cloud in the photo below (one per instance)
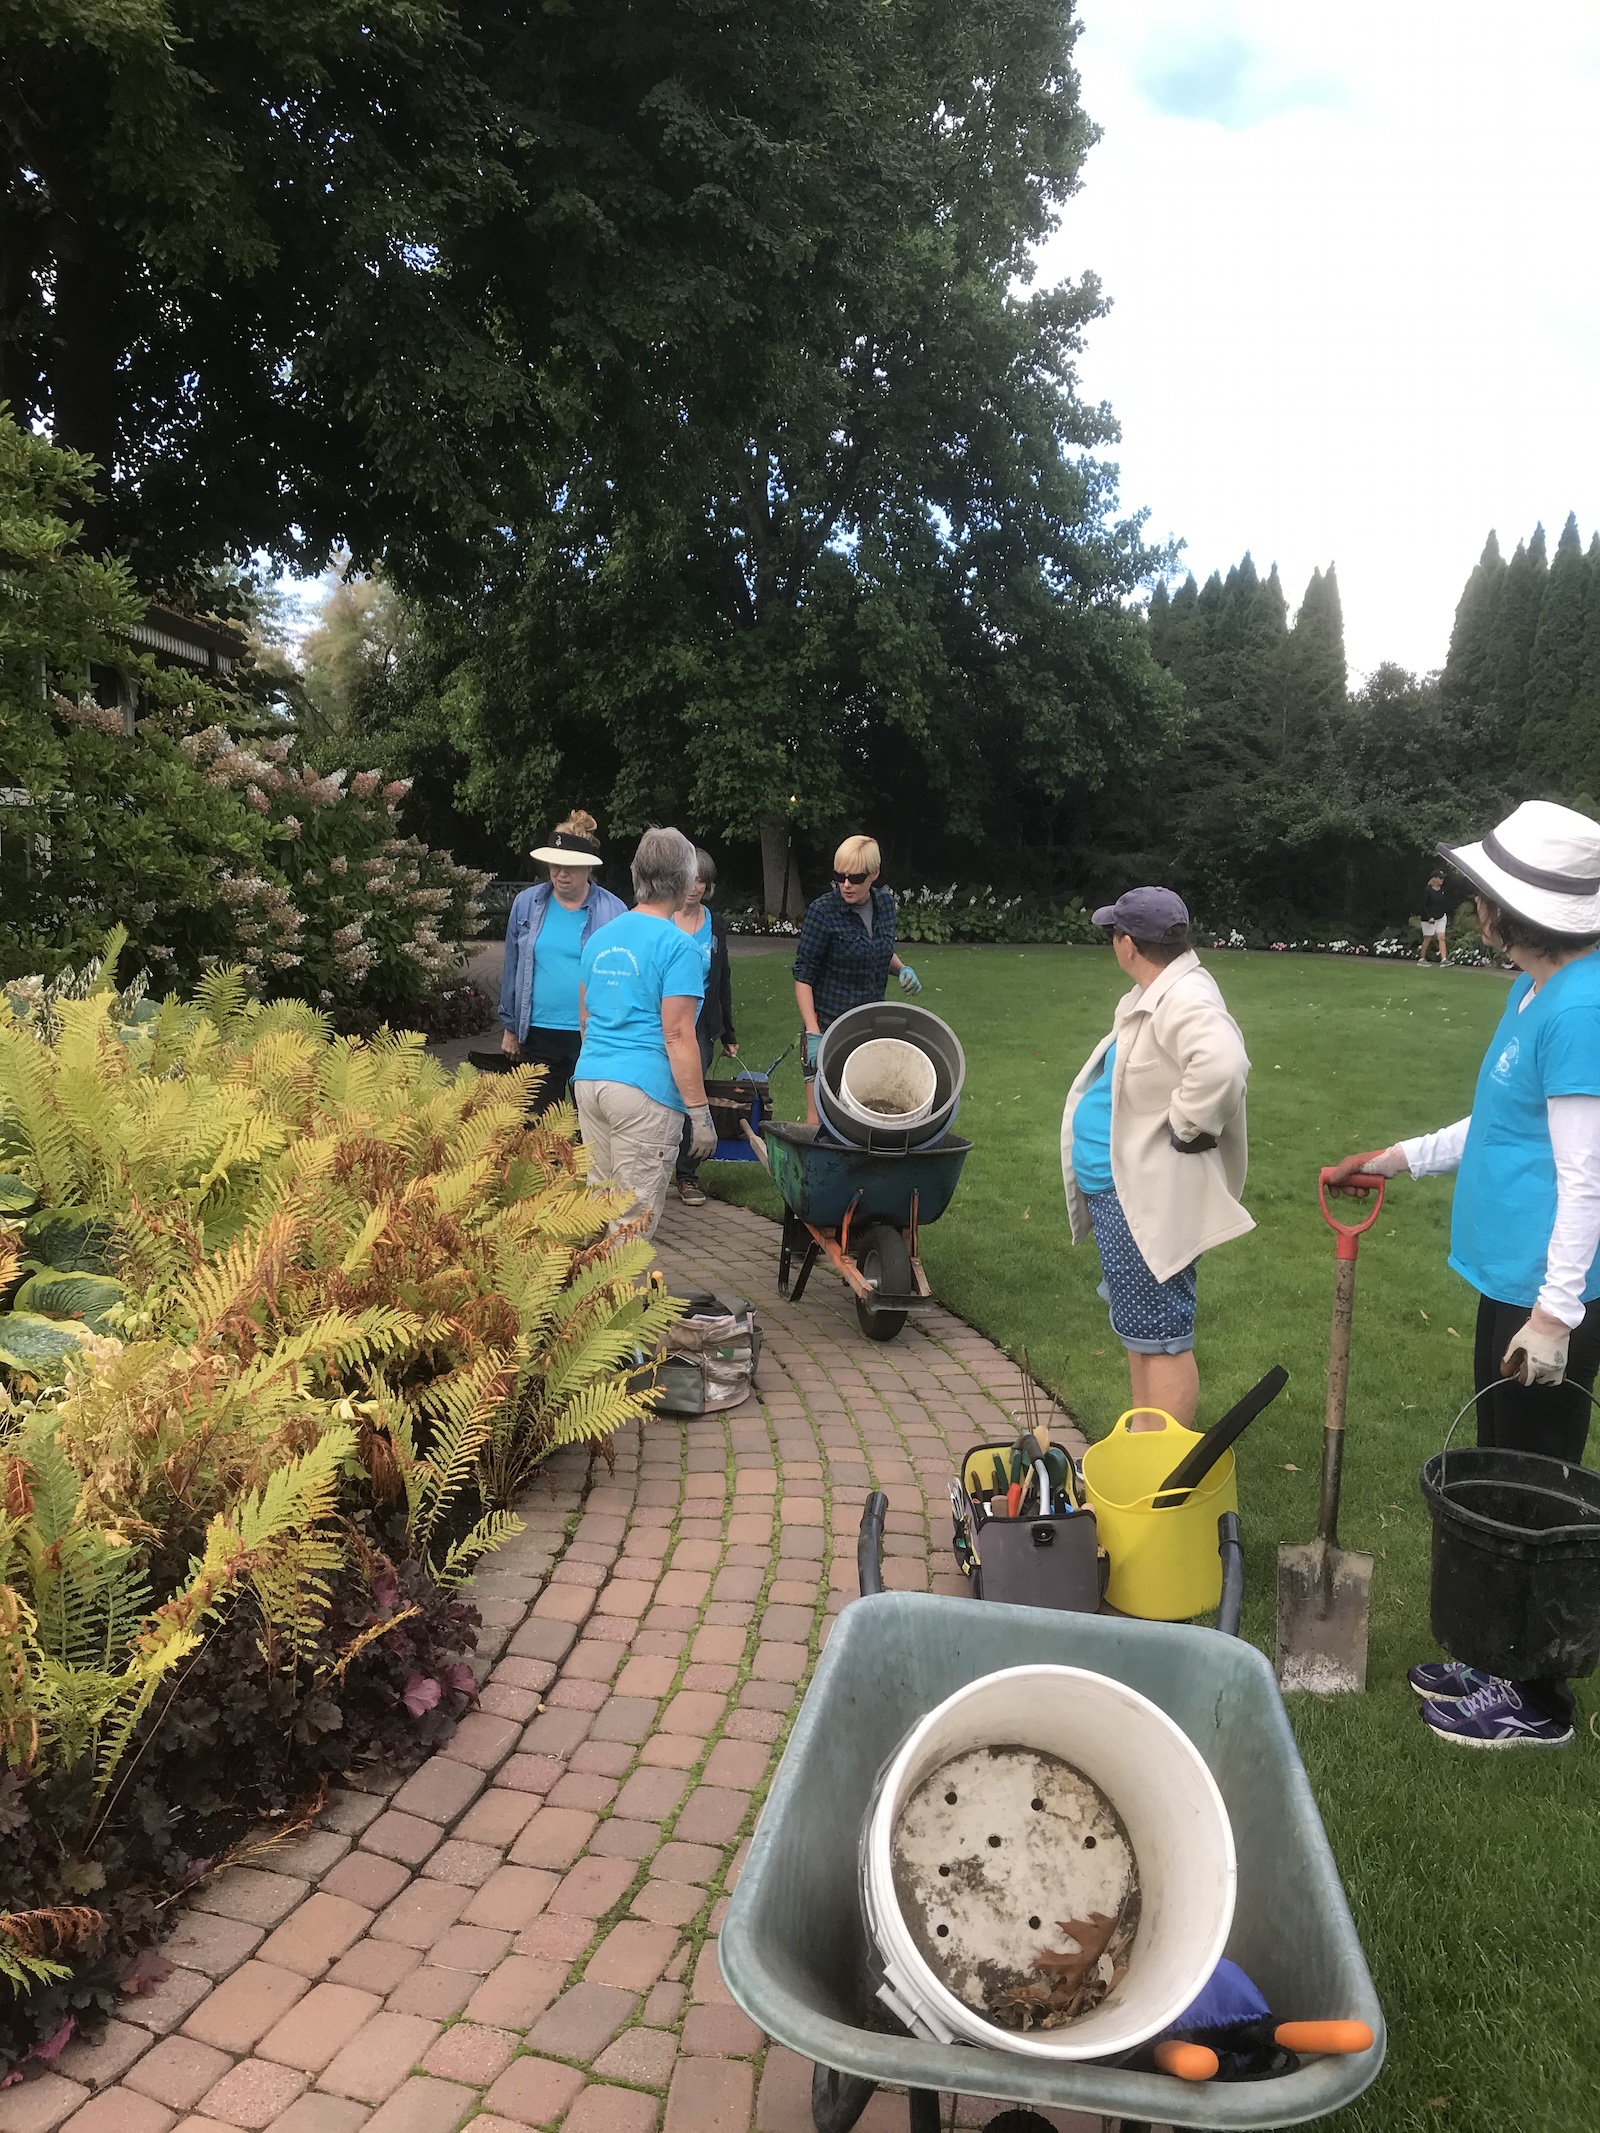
(1354, 316)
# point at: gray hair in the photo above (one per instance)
(663, 867)
(704, 865)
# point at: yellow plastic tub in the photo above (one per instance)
(1164, 1564)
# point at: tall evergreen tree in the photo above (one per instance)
(1467, 682)
(1317, 677)
(1555, 669)
(1585, 772)
(1511, 644)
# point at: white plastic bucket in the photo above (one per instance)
(888, 1082)
(1176, 1824)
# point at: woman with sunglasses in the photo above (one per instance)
(846, 954)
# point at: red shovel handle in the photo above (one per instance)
(1348, 1232)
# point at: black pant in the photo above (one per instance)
(556, 1050)
(1552, 1420)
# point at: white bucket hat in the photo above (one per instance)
(1542, 862)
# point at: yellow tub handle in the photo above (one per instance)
(1124, 1422)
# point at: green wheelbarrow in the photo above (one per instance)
(794, 1948)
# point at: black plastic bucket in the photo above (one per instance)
(1516, 1561)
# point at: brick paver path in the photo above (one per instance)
(526, 1928)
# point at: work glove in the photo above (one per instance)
(1198, 1146)
(1534, 1357)
(810, 1046)
(1381, 1163)
(909, 981)
(702, 1134)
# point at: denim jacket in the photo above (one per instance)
(522, 931)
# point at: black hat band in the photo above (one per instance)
(570, 841)
(1538, 877)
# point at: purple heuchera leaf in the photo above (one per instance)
(420, 1694)
(56, 2043)
(385, 1592)
(462, 1680)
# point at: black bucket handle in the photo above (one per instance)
(1476, 1397)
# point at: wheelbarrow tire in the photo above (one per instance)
(883, 1258)
(838, 2100)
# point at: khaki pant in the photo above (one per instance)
(632, 1142)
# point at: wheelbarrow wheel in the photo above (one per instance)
(838, 2100)
(883, 1258)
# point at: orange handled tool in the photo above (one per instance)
(1323, 2037)
(1190, 2062)
(1014, 1499)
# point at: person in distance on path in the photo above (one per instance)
(1153, 1145)
(1435, 916)
(1525, 1224)
(846, 953)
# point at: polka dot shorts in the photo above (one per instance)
(1149, 1317)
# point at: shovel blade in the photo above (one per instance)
(1324, 1602)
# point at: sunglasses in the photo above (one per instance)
(855, 880)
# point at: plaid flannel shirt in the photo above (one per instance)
(844, 965)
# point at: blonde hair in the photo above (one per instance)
(579, 824)
(858, 855)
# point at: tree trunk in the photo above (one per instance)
(780, 872)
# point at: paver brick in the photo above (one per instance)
(164, 2007)
(583, 2021)
(685, 1862)
(627, 1597)
(375, 1965)
(467, 1865)
(241, 2010)
(572, 1694)
(563, 1603)
(318, 2027)
(516, 1992)
(696, 1555)
(311, 1855)
(253, 2093)
(663, 2004)
(317, 1934)
(407, 1838)
(626, 1718)
(753, 1725)
(532, 1676)
(529, 1773)
(672, 1751)
(692, 1711)
(508, 1702)
(38, 2105)
(98, 2061)
(474, 1948)
(701, 1674)
(555, 1732)
(632, 1955)
(592, 1887)
(316, 2113)
(647, 1677)
(668, 1903)
(437, 1995)
(178, 2071)
(421, 1913)
(710, 2096)
(350, 1812)
(117, 2110)
(604, 2110)
(721, 2033)
(202, 1941)
(366, 1878)
(442, 1789)
(556, 1940)
(594, 1659)
(684, 1588)
(498, 1817)
(511, 1897)
(583, 1788)
(767, 1695)
(786, 1625)
(543, 1639)
(469, 2052)
(481, 1740)
(554, 1838)
(245, 1893)
(379, 2057)
(424, 2105)
(711, 1815)
(533, 2091)
(739, 1764)
(640, 2055)
(651, 1795)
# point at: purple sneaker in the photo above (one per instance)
(1496, 1717)
(1447, 1680)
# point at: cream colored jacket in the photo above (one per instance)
(1181, 1063)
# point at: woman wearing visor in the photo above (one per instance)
(547, 932)
(1525, 1226)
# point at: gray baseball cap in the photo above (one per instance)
(1144, 914)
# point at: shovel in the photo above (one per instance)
(1325, 1591)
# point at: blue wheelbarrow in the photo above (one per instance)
(794, 1948)
(862, 1208)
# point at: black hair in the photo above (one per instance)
(1513, 931)
(1173, 943)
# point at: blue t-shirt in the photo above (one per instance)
(555, 967)
(1091, 1130)
(701, 938)
(1505, 1203)
(628, 969)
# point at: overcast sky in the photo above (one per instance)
(1355, 316)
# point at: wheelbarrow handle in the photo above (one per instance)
(1348, 1232)
(869, 1548)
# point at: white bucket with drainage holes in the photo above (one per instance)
(887, 1082)
(996, 1859)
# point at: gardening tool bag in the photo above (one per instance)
(709, 1356)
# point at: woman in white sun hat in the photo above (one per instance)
(1525, 1227)
(548, 930)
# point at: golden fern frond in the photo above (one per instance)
(492, 1531)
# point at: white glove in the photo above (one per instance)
(702, 1134)
(1534, 1357)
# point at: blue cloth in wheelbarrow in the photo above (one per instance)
(794, 1948)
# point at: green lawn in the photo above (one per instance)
(1474, 1878)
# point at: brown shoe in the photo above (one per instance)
(690, 1194)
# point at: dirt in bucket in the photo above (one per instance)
(1016, 1879)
